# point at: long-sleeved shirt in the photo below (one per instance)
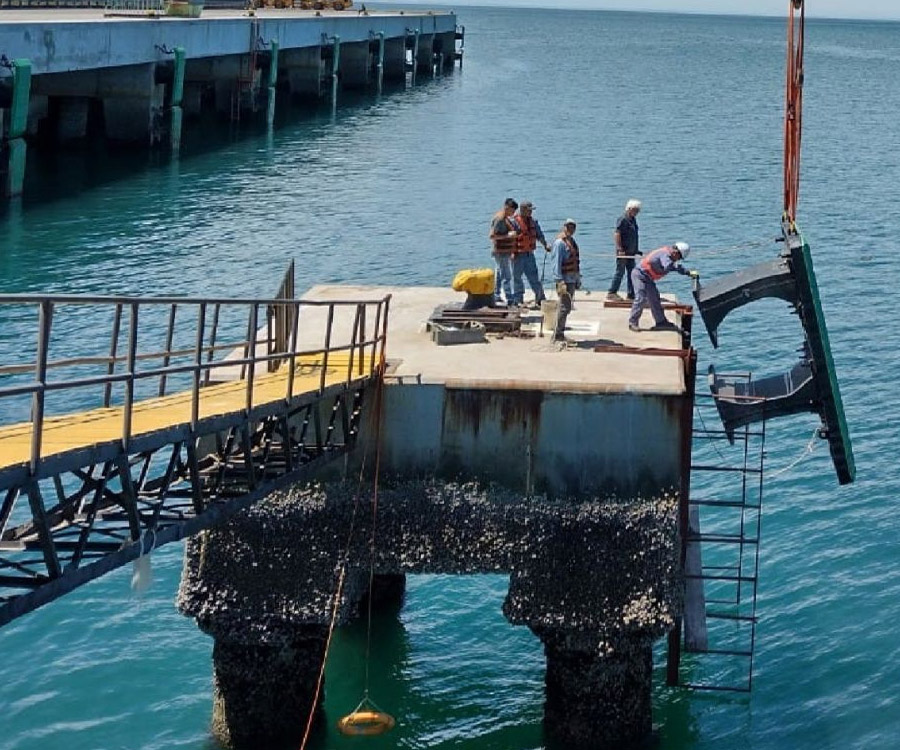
(662, 262)
(560, 255)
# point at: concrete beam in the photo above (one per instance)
(71, 117)
(135, 119)
(596, 578)
(356, 65)
(425, 58)
(92, 41)
(394, 59)
(304, 70)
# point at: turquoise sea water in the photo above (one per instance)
(577, 111)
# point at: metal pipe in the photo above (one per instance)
(170, 332)
(198, 364)
(327, 347)
(129, 383)
(251, 366)
(113, 350)
(45, 322)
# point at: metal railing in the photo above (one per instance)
(191, 364)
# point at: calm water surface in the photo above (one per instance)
(578, 112)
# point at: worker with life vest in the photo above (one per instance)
(567, 273)
(530, 233)
(504, 240)
(644, 277)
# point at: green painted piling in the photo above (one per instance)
(176, 113)
(380, 61)
(15, 147)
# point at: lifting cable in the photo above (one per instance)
(793, 114)
(358, 721)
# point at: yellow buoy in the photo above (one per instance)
(366, 719)
(366, 723)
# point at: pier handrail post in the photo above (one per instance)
(384, 325)
(45, 322)
(251, 354)
(375, 336)
(212, 342)
(353, 339)
(362, 337)
(295, 328)
(167, 355)
(198, 366)
(129, 382)
(327, 347)
(113, 352)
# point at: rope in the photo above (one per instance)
(378, 423)
(315, 701)
(344, 559)
(808, 450)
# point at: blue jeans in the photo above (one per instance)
(624, 267)
(504, 278)
(645, 294)
(526, 263)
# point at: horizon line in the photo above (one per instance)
(556, 6)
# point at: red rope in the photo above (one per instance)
(793, 115)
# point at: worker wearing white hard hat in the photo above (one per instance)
(644, 277)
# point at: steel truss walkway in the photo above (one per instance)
(173, 435)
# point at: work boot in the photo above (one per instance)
(613, 297)
(633, 327)
(667, 325)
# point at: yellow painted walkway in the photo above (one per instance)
(99, 426)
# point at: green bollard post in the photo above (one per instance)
(380, 61)
(18, 124)
(335, 67)
(176, 112)
(272, 82)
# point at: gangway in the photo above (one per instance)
(177, 414)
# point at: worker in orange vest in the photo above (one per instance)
(566, 273)
(530, 233)
(644, 277)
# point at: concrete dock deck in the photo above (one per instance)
(528, 361)
(523, 411)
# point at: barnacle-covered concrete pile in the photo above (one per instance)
(597, 580)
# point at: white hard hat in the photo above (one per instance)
(570, 221)
(683, 248)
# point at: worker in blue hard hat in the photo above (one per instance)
(644, 277)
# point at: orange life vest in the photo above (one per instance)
(572, 263)
(527, 234)
(647, 263)
(502, 243)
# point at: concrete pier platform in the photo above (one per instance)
(605, 413)
(566, 467)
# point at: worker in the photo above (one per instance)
(503, 246)
(566, 273)
(530, 233)
(626, 240)
(651, 269)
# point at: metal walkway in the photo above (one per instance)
(172, 415)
